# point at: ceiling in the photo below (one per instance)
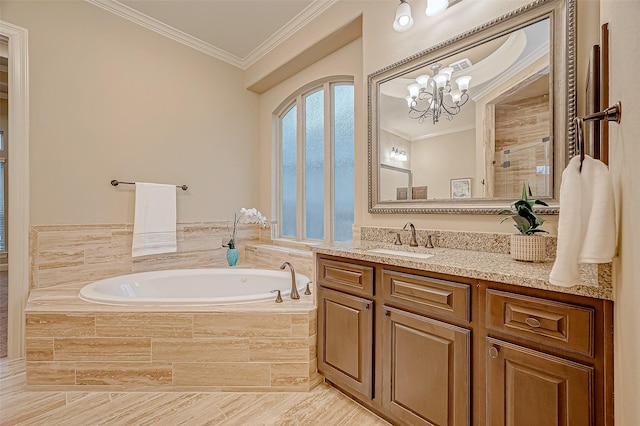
(239, 32)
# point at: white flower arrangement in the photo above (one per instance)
(246, 216)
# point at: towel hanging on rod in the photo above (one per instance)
(117, 182)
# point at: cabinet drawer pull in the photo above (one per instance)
(532, 322)
(493, 352)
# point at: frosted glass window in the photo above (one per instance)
(289, 172)
(314, 166)
(343, 159)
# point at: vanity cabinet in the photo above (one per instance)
(422, 348)
(345, 340)
(426, 369)
(527, 387)
(345, 325)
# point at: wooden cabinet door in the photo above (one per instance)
(530, 388)
(426, 370)
(345, 340)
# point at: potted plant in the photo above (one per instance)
(528, 245)
(246, 216)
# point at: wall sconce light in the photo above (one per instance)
(403, 20)
(398, 155)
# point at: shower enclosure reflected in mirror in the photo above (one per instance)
(491, 105)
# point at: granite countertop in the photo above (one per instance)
(596, 279)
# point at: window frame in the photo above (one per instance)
(297, 99)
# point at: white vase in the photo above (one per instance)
(528, 248)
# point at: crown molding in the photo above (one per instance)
(290, 28)
(300, 20)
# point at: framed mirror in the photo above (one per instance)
(459, 127)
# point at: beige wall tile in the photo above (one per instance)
(289, 374)
(200, 350)
(120, 373)
(102, 349)
(294, 349)
(51, 373)
(313, 322)
(160, 324)
(81, 273)
(51, 325)
(39, 349)
(60, 258)
(221, 374)
(299, 325)
(241, 325)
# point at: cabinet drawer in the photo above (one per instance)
(349, 277)
(428, 295)
(548, 322)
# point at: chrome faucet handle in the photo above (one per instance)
(278, 296)
(429, 243)
(397, 242)
(307, 290)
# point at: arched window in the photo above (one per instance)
(314, 179)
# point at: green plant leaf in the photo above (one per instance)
(522, 224)
(536, 231)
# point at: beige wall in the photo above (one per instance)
(623, 17)
(112, 100)
(446, 157)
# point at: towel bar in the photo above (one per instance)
(613, 113)
(118, 182)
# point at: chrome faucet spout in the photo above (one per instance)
(413, 242)
(294, 288)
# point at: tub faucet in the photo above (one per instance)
(413, 242)
(294, 288)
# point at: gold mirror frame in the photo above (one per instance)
(563, 33)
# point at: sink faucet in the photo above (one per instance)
(294, 288)
(413, 242)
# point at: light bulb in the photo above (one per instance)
(447, 71)
(441, 80)
(463, 82)
(410, 101)
(435, 7)
(403, 20)
(456, 95)
(423, 80)
(414, 89)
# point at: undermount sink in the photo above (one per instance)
(402, 253)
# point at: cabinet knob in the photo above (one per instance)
(367, 306)
(532, 322)
(387, 313)
(493, 352)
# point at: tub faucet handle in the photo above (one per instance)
(307, 289)
(278, 296)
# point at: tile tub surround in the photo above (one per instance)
(483, 265)
(64, 254)
(75, 345)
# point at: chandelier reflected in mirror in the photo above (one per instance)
(432, 97)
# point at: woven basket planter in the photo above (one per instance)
(528, 248)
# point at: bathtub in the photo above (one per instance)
(192, 287)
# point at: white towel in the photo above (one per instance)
(154, 224)
(586, 226)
